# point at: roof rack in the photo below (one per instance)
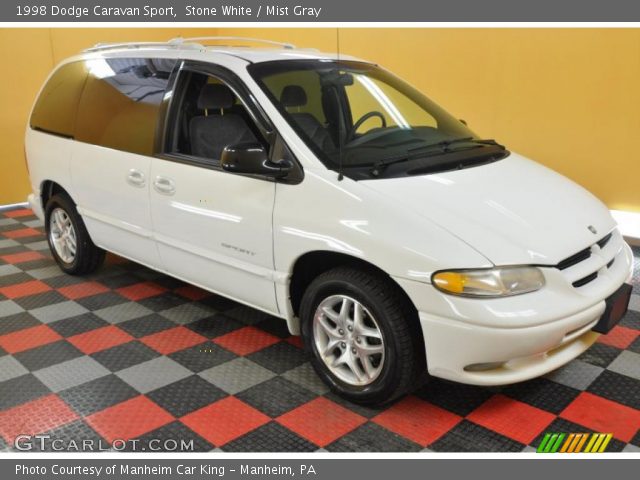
(179, 42)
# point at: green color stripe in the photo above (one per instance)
(541, 448)
(555, 448)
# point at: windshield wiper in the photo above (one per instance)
(445, 144)
(419, 152)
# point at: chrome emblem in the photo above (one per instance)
(592, 229)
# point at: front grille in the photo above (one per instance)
(581, 256)
(603, 241)
(597, 257)
(585, 280)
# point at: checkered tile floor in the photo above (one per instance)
(128, 353)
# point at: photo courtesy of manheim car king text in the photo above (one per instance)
(308, 238)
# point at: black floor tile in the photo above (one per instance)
(618, 388)
(48, 355)
(125, 355)
(147, 325)
(203, 356)
(96, 395)
(19, 321)
(22, 389)
(280, 357)
(373, 438)
(271, 437)
(276, 396)
(469, 437)
(542, 393)
(71, 326)
(454, 397)
(186, 395)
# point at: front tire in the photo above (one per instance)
(69, 242)
(363, 335)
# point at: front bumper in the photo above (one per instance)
(509, 340)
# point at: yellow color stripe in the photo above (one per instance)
(582, 440)
(606, 441)
(566, 444)
(591, 442)
(598, 442)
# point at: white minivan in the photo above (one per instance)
(326, 191)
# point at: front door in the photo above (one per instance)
(212, 228)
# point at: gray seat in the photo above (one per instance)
(214, 130)
(294, 96)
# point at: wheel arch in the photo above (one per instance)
(311, 264)
(49, 188)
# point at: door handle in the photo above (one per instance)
(164, 185)
(135, 178)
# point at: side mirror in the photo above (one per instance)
(252, 159)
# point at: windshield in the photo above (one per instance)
(361, 118)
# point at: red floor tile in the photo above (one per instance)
(37, 416)
(28, 338)
(21, 257)
(514, 419)
(172, 340)
(417, 420)
(321, 421)
(129, 419)
(620, 337)
(192, 292)
(140, 291)
(23, 212)
(25, 289)
(603, 416)
(21, 233)
(246, 340)
(81, 290)
(224, 420)
(99, 339)
(295, 340)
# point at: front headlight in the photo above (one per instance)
(494, 282)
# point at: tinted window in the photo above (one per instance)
(55, 109)
(120, 102)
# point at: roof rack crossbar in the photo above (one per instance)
(179, 40)
(126, 45)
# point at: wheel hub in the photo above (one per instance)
(348, 340)
(62, 235)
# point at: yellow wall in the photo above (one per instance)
(28, 57)
(568, 98)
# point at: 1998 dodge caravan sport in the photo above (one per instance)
(325, 191)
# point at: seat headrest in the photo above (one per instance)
(214, 96)
(293, 96)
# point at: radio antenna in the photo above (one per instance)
(340, 174)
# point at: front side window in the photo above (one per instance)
(207, 117)
(362, 119)
(121, 101)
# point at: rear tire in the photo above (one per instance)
(377, 344)
(69, 242)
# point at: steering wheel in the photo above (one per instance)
(364, 118)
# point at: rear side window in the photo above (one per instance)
(120, 102)
(56, 107)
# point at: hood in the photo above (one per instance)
(513, 211)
